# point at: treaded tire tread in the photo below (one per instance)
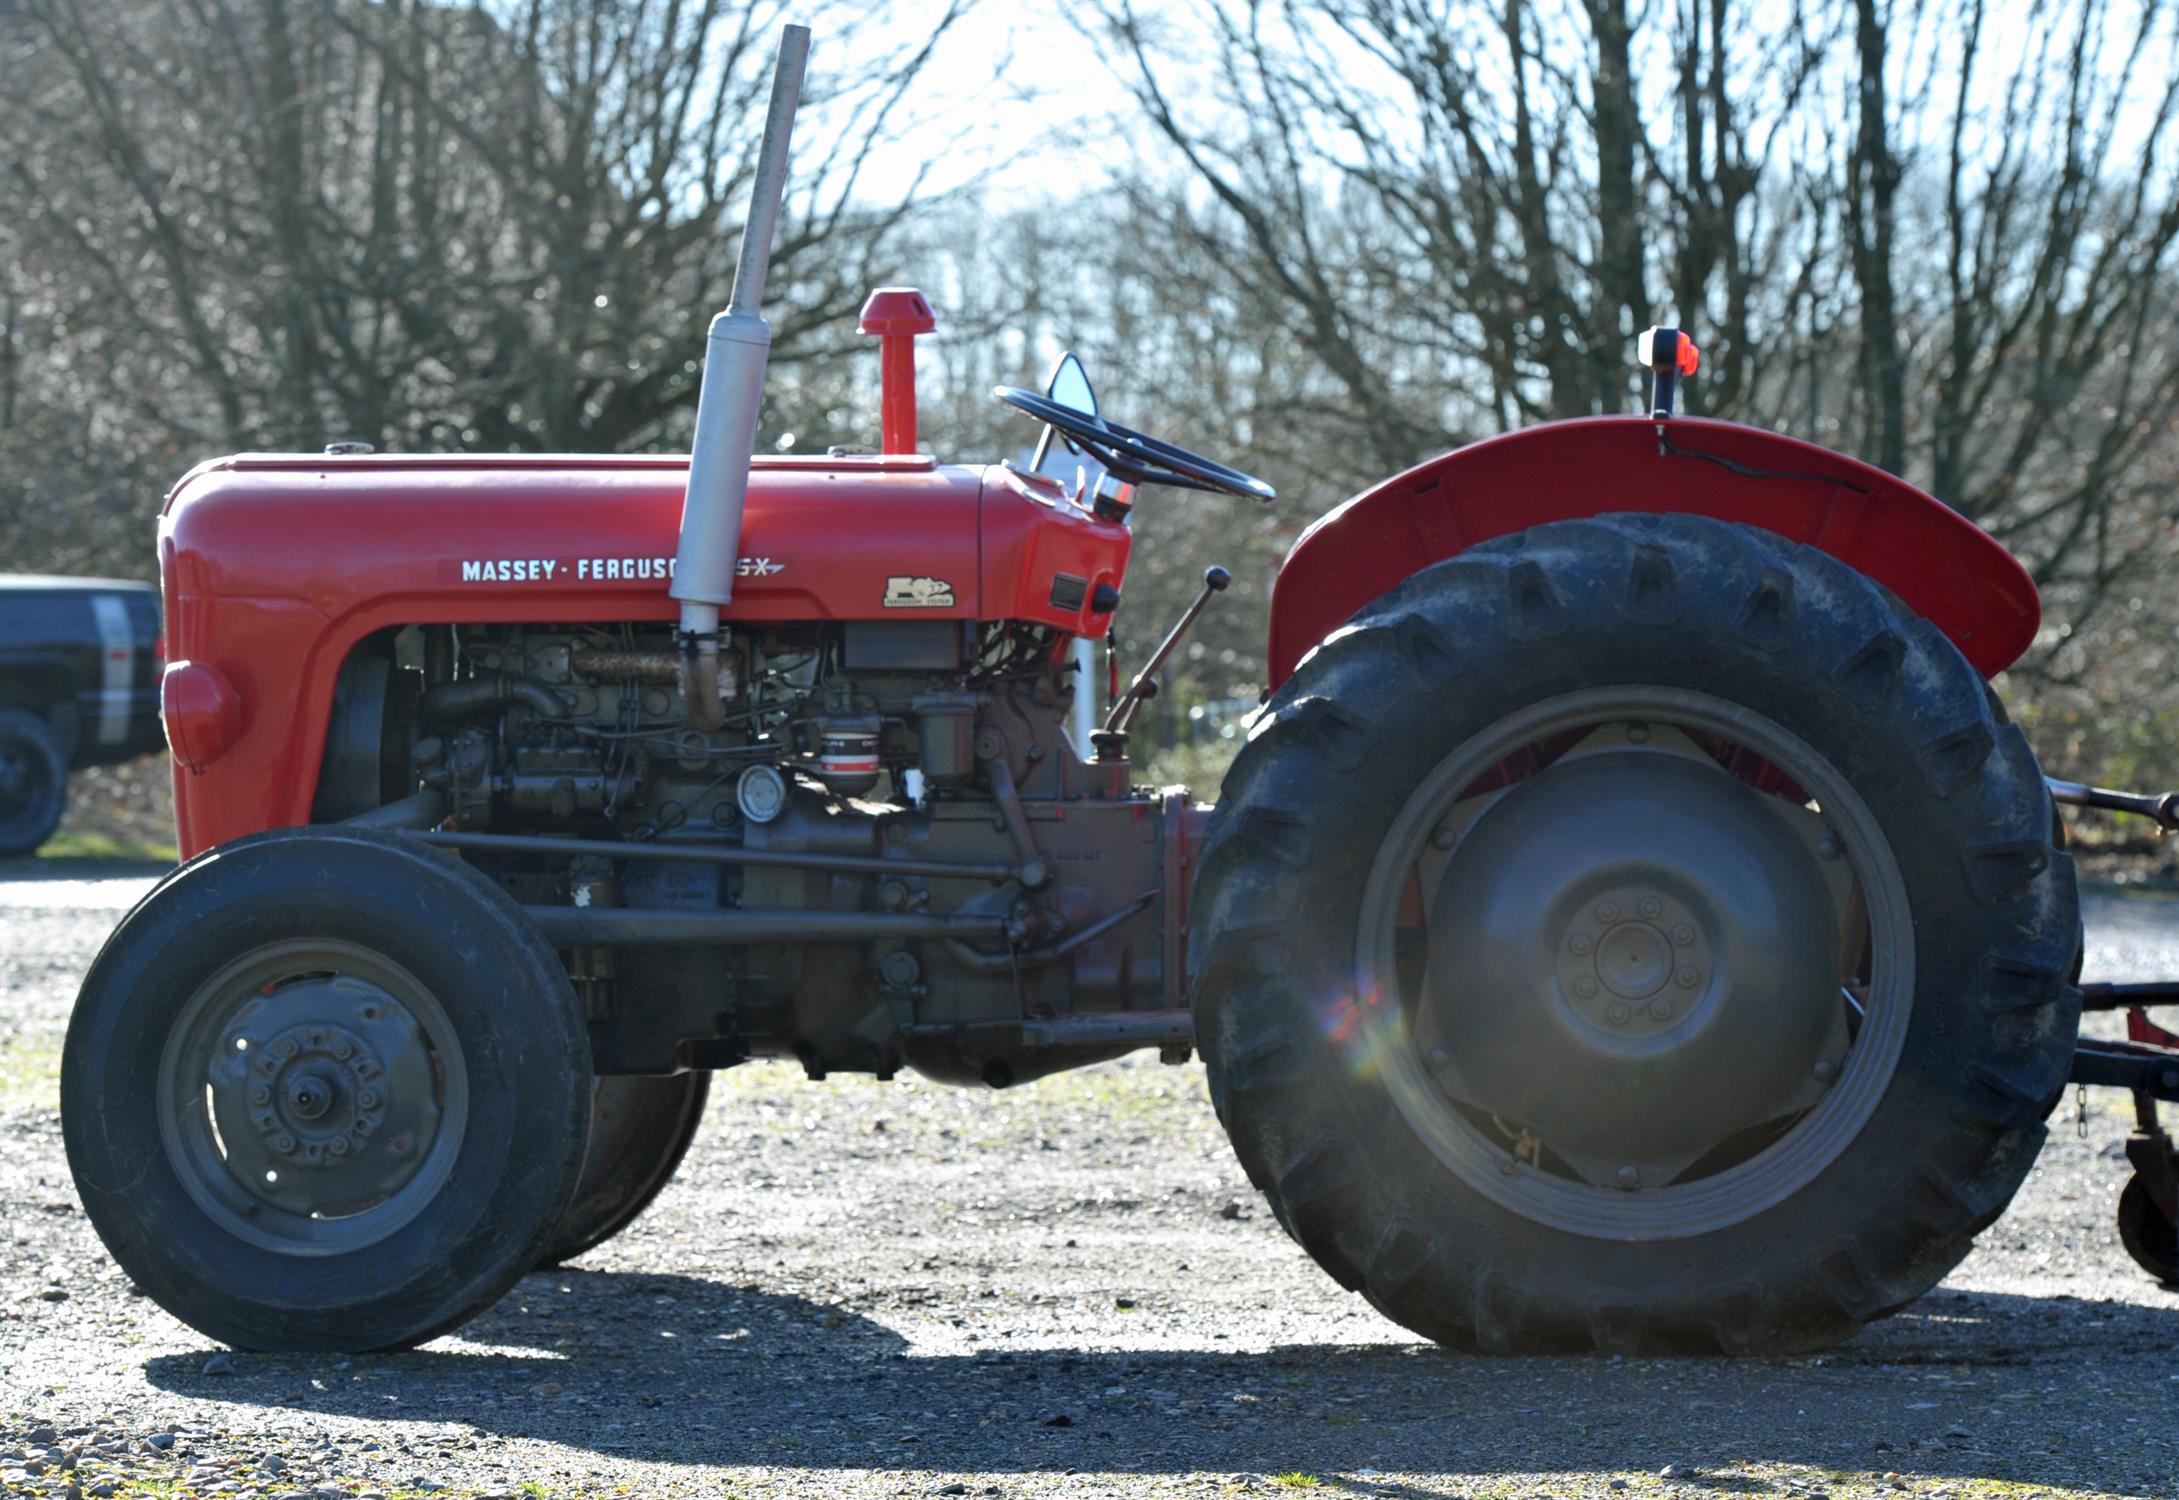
(1679, 601)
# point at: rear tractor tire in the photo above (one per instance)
(1641, 933)
(325, 1089)
(640, 1128)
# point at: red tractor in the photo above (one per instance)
(1631, 922)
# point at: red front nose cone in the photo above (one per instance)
(202, 710)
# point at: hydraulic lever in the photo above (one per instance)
(1111, 741)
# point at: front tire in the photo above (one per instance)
(1642, 933)
(640, 1128)
(325, 1089)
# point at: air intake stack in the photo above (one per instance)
(726, 409)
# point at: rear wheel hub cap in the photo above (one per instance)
(1633, 956)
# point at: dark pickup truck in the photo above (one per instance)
(79, 686)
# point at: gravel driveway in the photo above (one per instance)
(899, 1289)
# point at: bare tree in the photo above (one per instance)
(267, 223)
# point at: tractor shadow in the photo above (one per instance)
(691, 1371)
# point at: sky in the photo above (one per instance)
(1013, 94)
(1016, 96)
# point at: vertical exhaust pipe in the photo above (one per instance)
(726, 410)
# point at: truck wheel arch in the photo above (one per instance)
(1941, 564)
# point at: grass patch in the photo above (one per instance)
(94, 843)
(30, 1070)
(1296, 1480)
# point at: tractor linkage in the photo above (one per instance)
(2146, 1063)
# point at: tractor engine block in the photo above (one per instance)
(998, 907)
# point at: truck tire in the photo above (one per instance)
(1642, 934)
(325, 1089)
(640, 1128)
(33, 783)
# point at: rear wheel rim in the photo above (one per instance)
(1407, 1020)
(312, 1097)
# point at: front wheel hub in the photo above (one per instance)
(329, 1114)
(312, 1096)
(1633, 956)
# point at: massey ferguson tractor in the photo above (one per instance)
(1631, 922)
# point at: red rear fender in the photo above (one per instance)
(1943, 565)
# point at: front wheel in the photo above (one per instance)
(325, 1089)
(1643, 933)
(640, 1128)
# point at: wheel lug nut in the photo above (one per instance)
(1442, 836)
(284, 1144)
(1683, 934)
(1584, 986)
(1650, 906)
(1438, 1057)
(1829, 848)
(259, 1094)
(1638, 734)
(1688, 978)
(1580, 943)
(1660, 1010)
(1617, 1015)
(1825, 1069)
(1629, 1177)
(367, 1099)
(1607, 911)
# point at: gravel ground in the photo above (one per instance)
(899, 1289)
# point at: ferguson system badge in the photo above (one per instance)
(918, 593)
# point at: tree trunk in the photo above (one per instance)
(1873, 184)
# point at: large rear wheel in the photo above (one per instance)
(1642, 933)
(325, 1089)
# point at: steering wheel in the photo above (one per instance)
(1136, 457)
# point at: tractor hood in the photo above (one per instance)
(568, 538)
